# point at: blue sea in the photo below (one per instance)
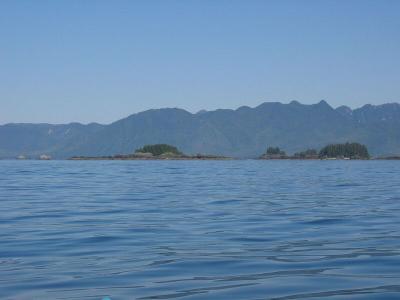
(199, 230)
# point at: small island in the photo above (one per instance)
(344, 151)
(154, 152)
(274, 153)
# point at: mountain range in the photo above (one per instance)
(245, 132)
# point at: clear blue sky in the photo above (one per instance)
(85, 61)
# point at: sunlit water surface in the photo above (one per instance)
(199, 229)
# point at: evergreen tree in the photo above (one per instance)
(159, 149)
(275, 151)
(347, 150)
(305, 154)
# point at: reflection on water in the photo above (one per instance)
(199, 230)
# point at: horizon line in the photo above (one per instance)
(292, 102)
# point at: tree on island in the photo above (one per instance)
(159, 149)
(275, 151)
(309, 153)
(347, 150)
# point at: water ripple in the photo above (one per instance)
(199, 230)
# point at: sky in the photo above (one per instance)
(99, 61)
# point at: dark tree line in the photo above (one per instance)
(350, 150)
(275, 151)
(309, 153)
(347, 150)
(159, 149)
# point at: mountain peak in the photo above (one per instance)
(294, 102)
(344, 110)
(269, 104)
(323, 102)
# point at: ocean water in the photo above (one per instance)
(199, 229)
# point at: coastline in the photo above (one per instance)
(185, 158)
(133, 157)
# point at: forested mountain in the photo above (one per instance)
(244, 132)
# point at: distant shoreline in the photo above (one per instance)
(138, 157)
(194, 158)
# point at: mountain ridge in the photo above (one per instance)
(240, 132)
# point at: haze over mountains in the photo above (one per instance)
(244, 132)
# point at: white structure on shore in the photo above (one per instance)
(44, 157)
